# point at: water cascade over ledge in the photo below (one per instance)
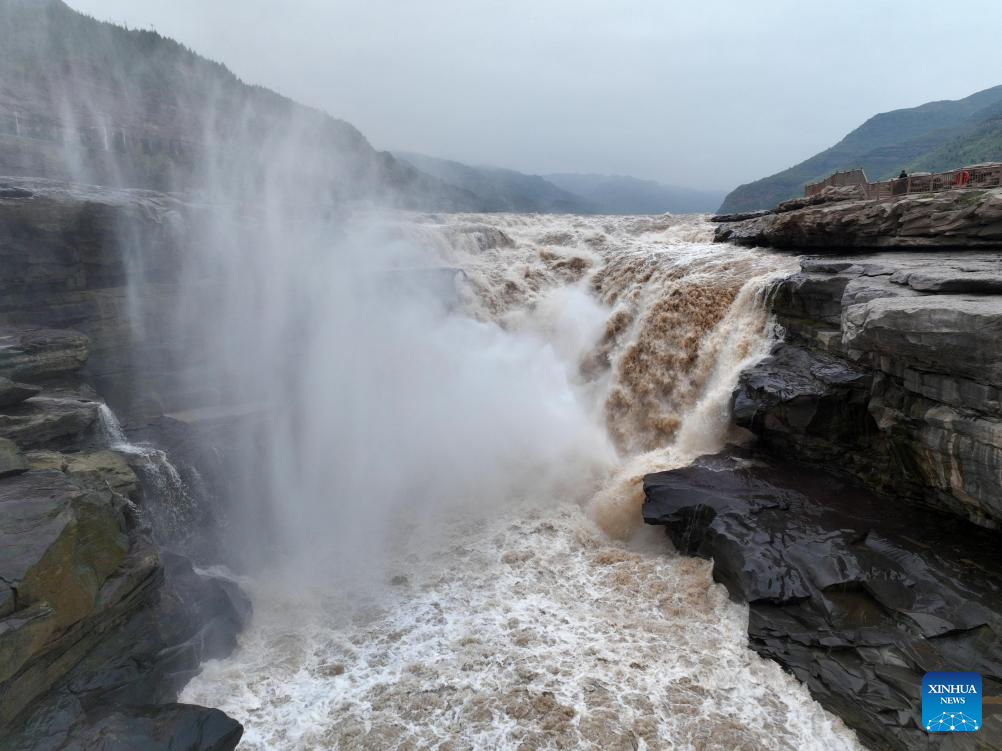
(443, 493)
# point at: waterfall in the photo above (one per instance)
(457, 488)
(169, 502)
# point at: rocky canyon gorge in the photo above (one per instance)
(302, 447)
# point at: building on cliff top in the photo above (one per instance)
(987, 175)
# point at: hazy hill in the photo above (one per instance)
(508, 190)
(936, 135)
(91, 101)
(502, 189)
(619, 194)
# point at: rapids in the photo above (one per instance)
(517, 603)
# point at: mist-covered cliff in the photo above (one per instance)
(93, 102)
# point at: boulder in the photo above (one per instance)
(801, 392)
(103, 469)
(155, 727)
(162, 622)
(92, 617)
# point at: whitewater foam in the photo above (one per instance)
(531, 630)
(545, 618)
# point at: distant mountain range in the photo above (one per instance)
(619, 194)
(932, 137)
(499, 189)
(507, 190)
(90, 101)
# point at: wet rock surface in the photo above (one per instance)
(12, 460)
(12, 392)
(41, 354)
(49, 421)
(156, 728)
(99, 629)
(951, 219)
(890, 369)
(857, 594)
(67, 252)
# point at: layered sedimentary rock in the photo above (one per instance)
(98, 629)
(862, 524)
(950, 219)
(104, 263)
(857, 599)
(890, 370)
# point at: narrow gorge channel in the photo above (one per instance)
(469, 570)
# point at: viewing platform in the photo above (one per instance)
(983, 176)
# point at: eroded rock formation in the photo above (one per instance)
(861, 525)
(98, 629)
(890, 370)
(857, 596)
(68, 254)
(951, 219)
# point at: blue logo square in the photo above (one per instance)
(951, 700)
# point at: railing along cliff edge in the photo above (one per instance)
(982, 176)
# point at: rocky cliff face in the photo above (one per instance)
(854, 593)
(105, 263)
(861, 524)
(961, 219)
(99, 629)
(890, 370)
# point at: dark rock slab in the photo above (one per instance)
(923, 420)
(804, 393)
(48, 421)
(856, 594)
(949, 220)
(12, 392)
(41, 354)
(159, 727)
(59, 544)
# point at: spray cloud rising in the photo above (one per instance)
(433, 484)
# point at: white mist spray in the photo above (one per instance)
(483, 415)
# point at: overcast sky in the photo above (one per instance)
(703, 93)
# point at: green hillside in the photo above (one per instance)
(936, 135)
(981, 142)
